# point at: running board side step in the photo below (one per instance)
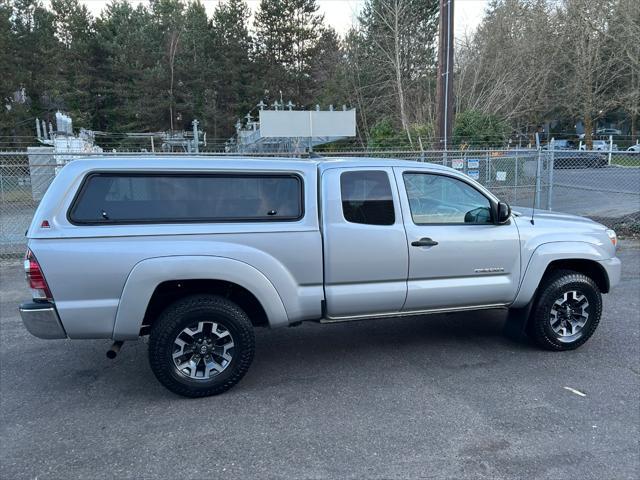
(413, 313)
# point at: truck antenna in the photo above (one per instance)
(535, 193)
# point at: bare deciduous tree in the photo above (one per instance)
(396, 57)
(624, 35)
(590, 68)
(505, 67)
(533, 61)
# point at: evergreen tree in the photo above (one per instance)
(32, 49)
(287, 33)
(234, 91)
(8, 78)
(74, 30)
(328, 74)
(193, 65)
(166, 31)
(7, 52)
(123, 54)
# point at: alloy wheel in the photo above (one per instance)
(203, 351)
(569, 314)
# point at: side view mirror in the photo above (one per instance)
(503, 213)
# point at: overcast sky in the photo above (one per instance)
(342, 13)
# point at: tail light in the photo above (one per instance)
(35, 278)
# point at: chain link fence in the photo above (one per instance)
(602, 186)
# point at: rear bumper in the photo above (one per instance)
(613, 267)
(41, 320)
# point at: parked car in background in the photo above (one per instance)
(579, 159)
(634, 148)
(561, 145)
(608, 131)
(601, 146)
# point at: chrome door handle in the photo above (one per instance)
(424, 242)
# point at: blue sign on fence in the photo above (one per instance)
(475, 174)
(473, 163)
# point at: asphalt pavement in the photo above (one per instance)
(444, 396)
(610, 192)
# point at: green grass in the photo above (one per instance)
(632, 160)
(19, 196)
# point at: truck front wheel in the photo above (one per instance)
(201, 345)
(567, 311)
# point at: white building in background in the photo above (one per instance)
(291, 131)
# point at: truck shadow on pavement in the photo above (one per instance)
(441, 342)
(312, 354)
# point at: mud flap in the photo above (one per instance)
(515, 327)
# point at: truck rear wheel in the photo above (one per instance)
(567, 311)
(201, 345)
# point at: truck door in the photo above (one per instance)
(458, 257)
(365, 245)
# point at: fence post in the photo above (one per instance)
(486, 171)
(550, 179)
(610, 147)
(538, 173)
(515, 181)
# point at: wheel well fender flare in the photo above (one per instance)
(547, 253)
(148, 274)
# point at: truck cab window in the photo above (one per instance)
(367, 198)
(441, 199)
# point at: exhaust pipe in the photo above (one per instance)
(115, 348)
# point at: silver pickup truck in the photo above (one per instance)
(196, 252)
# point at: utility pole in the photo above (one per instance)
(196, 147)
(444, 86)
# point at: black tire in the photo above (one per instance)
(186, 313)
(554, 287)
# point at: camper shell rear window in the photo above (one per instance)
(128, 198)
